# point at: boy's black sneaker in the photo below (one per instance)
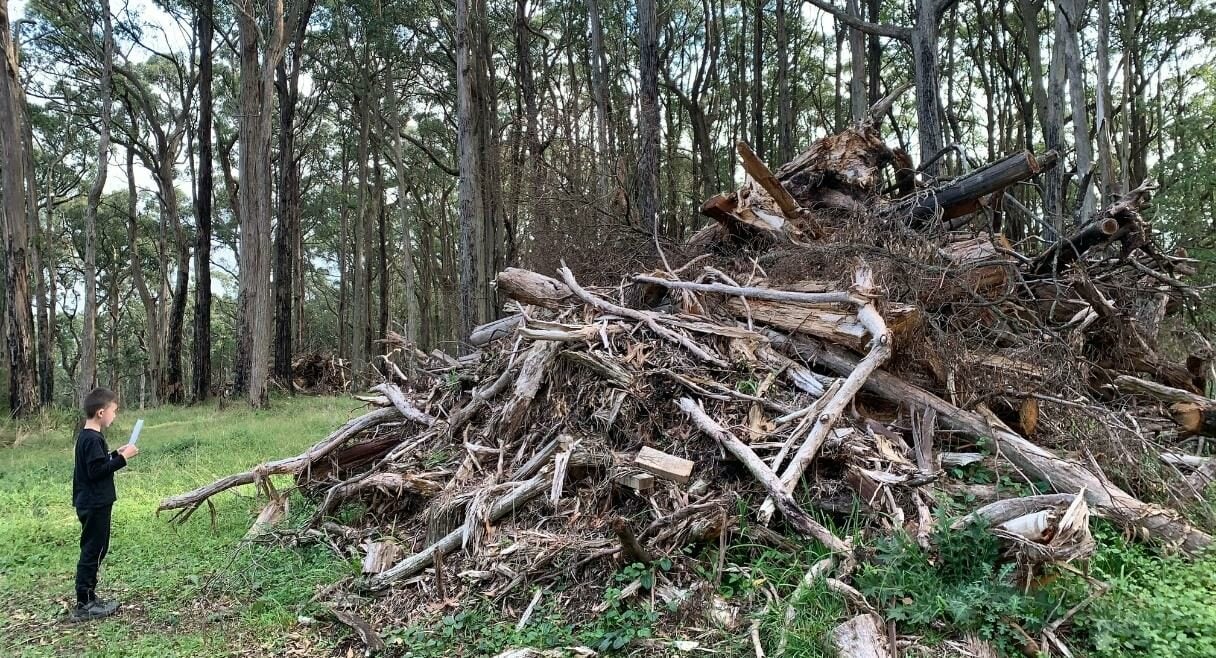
(95, 609)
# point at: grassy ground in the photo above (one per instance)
(187, 591)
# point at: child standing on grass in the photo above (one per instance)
(93, 497)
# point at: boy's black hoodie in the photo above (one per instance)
(93, 476)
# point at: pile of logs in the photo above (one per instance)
(840, 327)
(320, 373)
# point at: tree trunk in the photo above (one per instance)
(857, 68)
(38, 246)
(201, 361)
(344, 346)
(413, 317)
(1106, 183)
(287, 235)
(385, 289)
(924, 54)
(152, 334)
(599, 87)
(175, 389)
(478, 221)
(1053, 132)
(785, 106)
(284, 239)
(1075, 15)
(757, 79)
(88, 338)
(874, 54)
(361, 257)
(1034, 56)
(23, 385)
(256, 102)
(648, 116)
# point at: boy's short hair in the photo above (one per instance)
(98, 399)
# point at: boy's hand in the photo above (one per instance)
(128, 451)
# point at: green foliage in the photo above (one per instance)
(1155, 607)
(626, 621)
(961, 586)
(478, 632)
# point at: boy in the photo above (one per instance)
(93, 497)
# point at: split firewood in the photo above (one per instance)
(765, 178)
(639, 482)
(663, 465)
(1059, 533)
(270, 516)
(984, 263)
(958, 459)
(491, 331)
(532, 372)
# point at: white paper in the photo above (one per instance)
(139, 425)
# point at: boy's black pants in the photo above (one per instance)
(94, 542)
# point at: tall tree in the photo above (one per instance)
(599, 90)
(259, 54)
(857, 66)
(757, 77)
(88, 339)
(288, 228)
(201, 358)
(413, 319)
(648, 116)
(1073, 12)
(1102, 109)
(158, 150)
(23, 384)
(478, 215)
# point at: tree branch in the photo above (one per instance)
(878, 29)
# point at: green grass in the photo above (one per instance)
(187, 590)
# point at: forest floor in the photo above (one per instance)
(198, 590)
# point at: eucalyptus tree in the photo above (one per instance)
(23, 382)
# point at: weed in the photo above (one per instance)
(1155, 607)
(960, 587)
